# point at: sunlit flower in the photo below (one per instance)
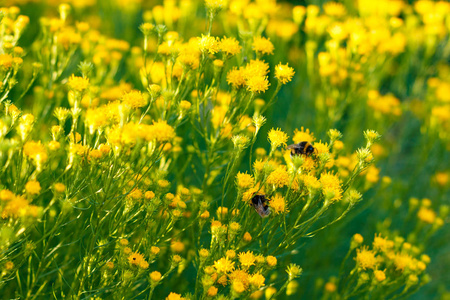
(257, 84)
(78, 84)
(284, 73)
(208, 44)
(262, 45)
(278, 204)
(331, 186)
(247, 259)
(135, 99)
(279, 177)
(224, 265)
(244, 180)
(229, 46)
(277, 137)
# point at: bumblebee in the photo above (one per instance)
(260, 204)
(302, 148)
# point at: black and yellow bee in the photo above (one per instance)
(302, 148)
(260, 204)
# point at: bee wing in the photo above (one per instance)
(262, 210)
(293, 146)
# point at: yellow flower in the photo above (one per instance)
(379, 275)
(279, 177)
(278, 204)
(155, 276)
(330, 287)
(135, 258)
(177, 246)
(223, 265)
(238, 287)
(236, 78)
(256, 68)
(271, 261)
(212, 291)
(143, 264)
(262, 45)
(230, 254)
(6, 195)
(303, 136)
(230, 46)
(284, 73)
(160, 131)
(334, 9)
(33, 187)
(9, 265)
(134, 98)
(203, 253)
(149, 195)
(204, 215)
(257, 280)
(426, 215)
(174, 296)
(380, 243)
(441, 178)
(321, 148)
(6, 61)
(331, 186)
(35, 151)
(78, 84)
(185, 105)
(244, 180)
(293, 271)
(298, 13)
(154, 250)
(310, 182)
(59, 187)
(358, 238)
(247, 259)
(257, 84)
(215, 4)
(277, 138)
(208, 44)
(247, 237)
(403, 261)
(366, 258)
